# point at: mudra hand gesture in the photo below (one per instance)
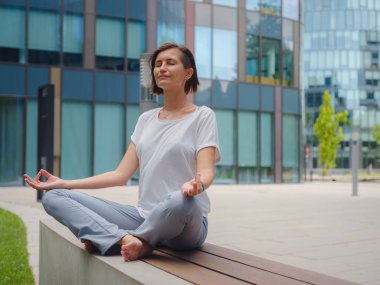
(52, 182)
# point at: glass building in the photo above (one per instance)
(341, 54)
(248, 57)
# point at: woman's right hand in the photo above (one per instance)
(52, 182)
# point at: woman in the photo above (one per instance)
(175, 148)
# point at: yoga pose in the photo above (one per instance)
(175, 149)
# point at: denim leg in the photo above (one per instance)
(177, 222)
(102, 222)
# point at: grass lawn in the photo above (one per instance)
(14, 264)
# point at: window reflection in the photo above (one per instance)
(203, 51)
(266, 148)
(171, 22)
(270, 65)
(272, 7)
(225, 54)
(252, 58)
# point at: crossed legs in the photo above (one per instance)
(109, 227)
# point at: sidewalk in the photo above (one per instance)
(316, 226)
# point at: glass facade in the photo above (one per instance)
(341, 54)
(247, 55)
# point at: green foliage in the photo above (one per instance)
(14, 264)
(328, 130)
(376, 133)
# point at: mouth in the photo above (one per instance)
(162, 77)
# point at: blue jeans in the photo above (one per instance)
(177, 222)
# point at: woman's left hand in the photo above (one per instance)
(192, 187)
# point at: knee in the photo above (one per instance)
(50, 199)
(179, 204)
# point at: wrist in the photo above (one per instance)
(203, 187)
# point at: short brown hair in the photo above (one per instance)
(188, 61)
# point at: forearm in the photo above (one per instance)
(103, 180)
(207, 177)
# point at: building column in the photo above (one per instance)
(89, 34)
(278, 140)
(151, 25)
(55, 79)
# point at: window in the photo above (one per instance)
(12, 40)
(44, 39)
(11, 141)
(291, 9)
(136, 44)
(266, 148)
(72, 39)
(231, 3)
(272, 7)
(76, 139)
(252, 58)
(225, 169)
(171, 22)
(203, 51)
(290, 148)
(253, 5)
(109, 136)
(270, 64)
(248, 147)
(110, 43)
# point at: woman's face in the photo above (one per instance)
(169, 71)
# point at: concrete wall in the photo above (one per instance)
(64, 261)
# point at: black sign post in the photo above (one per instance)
(45, 130)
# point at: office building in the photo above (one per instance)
(248, 58)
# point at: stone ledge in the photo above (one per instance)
(64, 261)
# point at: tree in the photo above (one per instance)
(329, 132)
(376, 133)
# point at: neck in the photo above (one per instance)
(175, 100)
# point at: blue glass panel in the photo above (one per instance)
(224, 94)
(224, 54)
(290, 9)
(137, 9)
(110, 86)
(133, 88)
(203, 51)
(266, 148)
(290, 101)
(73, 5)
(11, 140)
(12, 80)
(31, 137)
(37, 76)
(14, 2)
(109, 136)
(171, 22)
(271, 26)
(50, 4)
(77, 85)
(117, 9)
(76, 140)
(110, 37)
(249, 95)
(267, 98)
(203, 96)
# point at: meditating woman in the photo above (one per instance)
(175, 149)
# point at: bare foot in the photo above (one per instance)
(88, 246)
(133, 248)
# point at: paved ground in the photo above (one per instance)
(317, 226)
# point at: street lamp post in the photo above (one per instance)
(355, 159)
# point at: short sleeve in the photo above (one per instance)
(135, 137)
(207, 134)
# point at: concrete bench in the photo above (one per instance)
(64, 261)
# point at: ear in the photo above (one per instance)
(189, 73)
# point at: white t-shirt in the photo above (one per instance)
(167, 152)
